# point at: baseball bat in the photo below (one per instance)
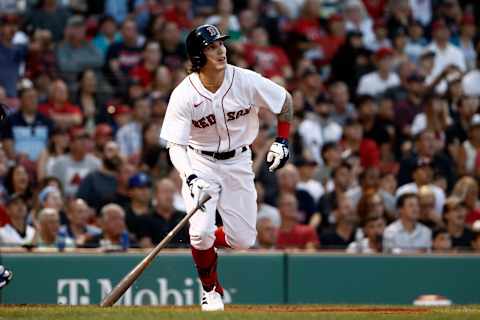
(133, 275)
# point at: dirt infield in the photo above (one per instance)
(327, 309)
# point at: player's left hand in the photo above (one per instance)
(278, 154)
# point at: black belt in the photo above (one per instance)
(220, 155)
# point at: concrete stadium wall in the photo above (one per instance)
(249, 278)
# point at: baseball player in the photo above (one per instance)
(211, 119)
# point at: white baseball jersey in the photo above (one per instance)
(224, 120)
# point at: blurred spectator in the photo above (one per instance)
(98, 187)
(51, 197)
(339, 235)
(114, 236)
(458, 132)
(57, 146)
(107, 34)
(264, 58)
(380, 39)
(377, 82)
(138, 210)
(355, 145)
(17, 232)
(441, 241)
(103, 135)
(75, 53)
(288, 179)
(161, 85)
(400, 15)
(351, 61)
(425, 150)
(428, 216)
(145, 70)
(77, 228)
(373, 226)
(341, 175)
(125, 172)
(466, 189)
(89, 100)
(470, 80)
(123, 55)
(357, 19)
(331, 157)
(306, 169)
(265, 210)
(454, 214)
(343, 109)
(465, 40)
(118, 9)
(434, 118)
(467, 154)
(318, 128)
(416, 42)
(17, 181)
(59, 108)
(181, 13)
(423, 176)
(165, 217)
(50, 15)
(267, 233)
(25, 133)
(72, 167)
(406, 234)
(174, 52)
(48, 227)
(11, 55)
(225, 17)
(446, 54)
(292, 234)
(41, 65)
(373, 127)
(129, 136)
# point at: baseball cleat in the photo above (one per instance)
(212, 301)
(5, 276)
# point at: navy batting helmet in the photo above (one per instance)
(197, 40)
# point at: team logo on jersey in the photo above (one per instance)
(233, 115)
(210, 120)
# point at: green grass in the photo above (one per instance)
(238, 312)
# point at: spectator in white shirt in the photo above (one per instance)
(406, 234)
(373, 227)
(17, 232)
(306, 170)
(445, 53)
(471, 80)
(377, 82)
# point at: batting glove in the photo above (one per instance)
(278, 154)
(197, 187)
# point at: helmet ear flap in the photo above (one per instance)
(198, 61)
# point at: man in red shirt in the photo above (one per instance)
(292, 234)
(59, 109)
(145, 71)
(266, 59)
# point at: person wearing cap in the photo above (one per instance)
(306, 169)
(75, 53)
(26, 131)
(12, 56)
(422, 176)
(17, 232)
(72, 167)
(446, 54)
(129, 137)
(378, 81)
(139, 208)
(318, 128)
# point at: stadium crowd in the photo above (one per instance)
(384, 147)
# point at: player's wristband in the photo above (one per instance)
(283, 129)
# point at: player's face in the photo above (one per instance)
(216, 55)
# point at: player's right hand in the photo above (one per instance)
(198, 187)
